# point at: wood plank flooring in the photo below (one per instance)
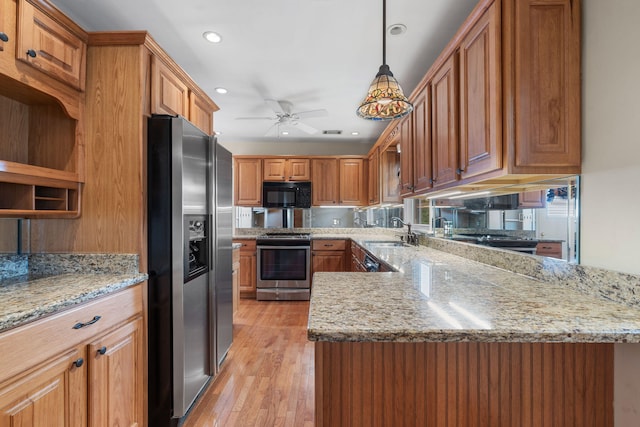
(267, 378)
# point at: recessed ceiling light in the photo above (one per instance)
(212, 37)
(217, 132)
(221, 90)
(397, 29)
(284, 132)
(355, 133)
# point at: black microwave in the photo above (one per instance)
(286, 194)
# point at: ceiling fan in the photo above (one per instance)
(284, 116)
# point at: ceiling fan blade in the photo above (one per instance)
(255, 118)
(275, 106)
(311, 113)
(270, 130)
(305, 128)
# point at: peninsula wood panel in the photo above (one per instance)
(464, 384)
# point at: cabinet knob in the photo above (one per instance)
(4, 37)
(102, 350)
(31, 53)
(78, 363)
(459, 171)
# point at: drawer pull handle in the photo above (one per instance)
(90, 322)
(328, 245)
(78, 363)
(102, 350)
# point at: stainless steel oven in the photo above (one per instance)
(283, 266)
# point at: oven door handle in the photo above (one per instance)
(282, 247)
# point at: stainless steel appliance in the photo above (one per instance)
(283, 266)
(286, 194)
(189, 320)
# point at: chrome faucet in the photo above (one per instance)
(412, 238)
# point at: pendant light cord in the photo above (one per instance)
(384, 32)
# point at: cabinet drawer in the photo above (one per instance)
(329, 245)
(248, 245)
(38, 341)
(551, 249)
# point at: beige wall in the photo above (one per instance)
(333, 148)
(610, 229)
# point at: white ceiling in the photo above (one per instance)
(316, 54)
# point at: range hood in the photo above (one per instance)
(502, 203)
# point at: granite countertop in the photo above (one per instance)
(36, 285)
(438, 296)
(25, 301)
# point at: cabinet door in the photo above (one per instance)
(328, 261)
(235, 279)
(200, 113)
(422, 141)
(53, 394)
(444, 123)
(324, 179)
(353, 186)
(532, 199)
(480, 97)
(298, 169)
(116, 378)
(50, 47)
(247, 176)
(247, 275)
(546, 89)
(7, 31)
(390, 168)
(169, 94)
(406, 156)
(374, 177)
(274, 169)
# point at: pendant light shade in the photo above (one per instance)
(385, 99)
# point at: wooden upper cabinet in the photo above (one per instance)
(480, 97)
(201, 113)
(374, 177)
(444, 122)
(405, 148)
(276, 169)
(353, 185)
(169, 94)
(49, 46)
(247, 177)
(422, 141)
(545, 46)
(7, 32)
(532, 199)
(390, 171)
(324, 179)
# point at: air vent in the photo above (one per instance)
(332, 132)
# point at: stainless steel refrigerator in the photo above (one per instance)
(190, 311)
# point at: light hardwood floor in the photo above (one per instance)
(267, 378)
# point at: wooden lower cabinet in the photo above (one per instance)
(52, 394)
(116, 379)
(550, 249)
(247, 274)
(328, 255)
(463, 384)
(57, 375)
(235, 279)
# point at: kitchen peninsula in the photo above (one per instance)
(450, 341)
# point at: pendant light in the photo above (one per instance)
(385, 99)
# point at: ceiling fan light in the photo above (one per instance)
(385, 99)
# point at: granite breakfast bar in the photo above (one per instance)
(450, 341)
